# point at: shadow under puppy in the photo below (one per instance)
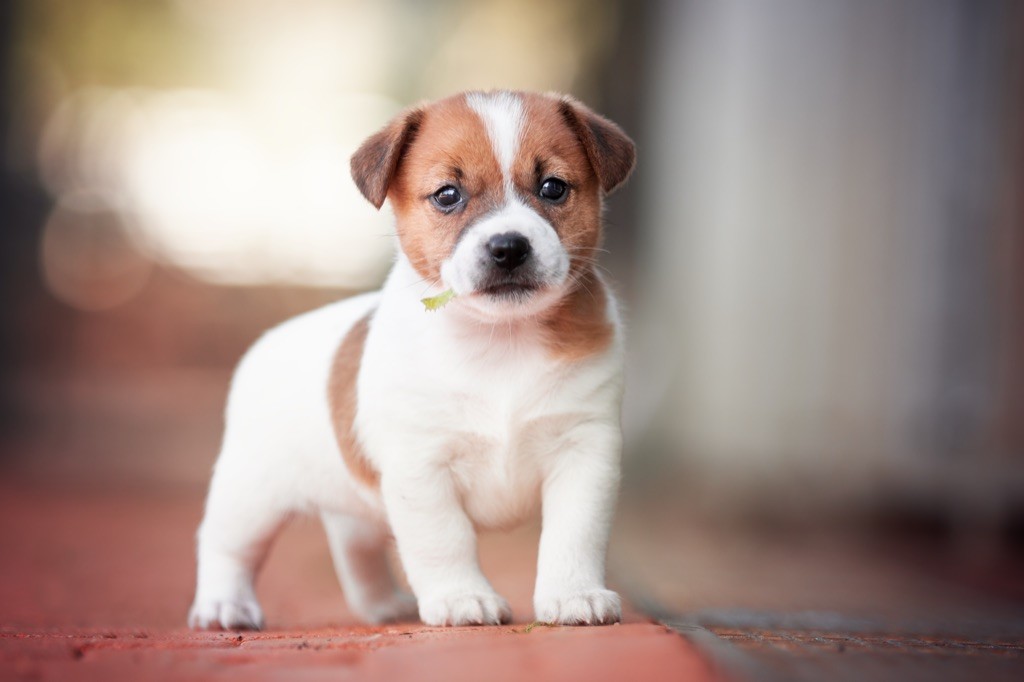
(385, 419)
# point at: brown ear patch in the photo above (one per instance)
(374, 164)
(610, 151)
(341, 397)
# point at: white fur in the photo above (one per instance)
(280, 457)
(471, 423)
(464, 270)
(502, 114)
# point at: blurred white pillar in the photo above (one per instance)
(800, 183)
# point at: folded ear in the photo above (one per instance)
(375, 162)
(611, 152)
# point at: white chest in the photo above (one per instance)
(500, 457)
(489, 405)
(500, 435)
(498, 429)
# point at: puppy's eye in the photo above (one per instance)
(554, 190)
(446, 198)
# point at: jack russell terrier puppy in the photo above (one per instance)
(386, 419)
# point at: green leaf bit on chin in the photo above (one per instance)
(439, 301)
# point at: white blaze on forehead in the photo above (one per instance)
(502, 114)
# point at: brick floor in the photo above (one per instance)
(808, 605)
(96, 572)
(631, 651)
(95, 584)
(807, 655)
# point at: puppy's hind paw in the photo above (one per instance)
(591, 607)
(226, 614)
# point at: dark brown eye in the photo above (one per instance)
(446, 198)
(554, 190)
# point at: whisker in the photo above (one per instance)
(588, 248)
(434, 283)
(579, 281)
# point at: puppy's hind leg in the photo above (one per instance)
(359, 551)
(237, 530)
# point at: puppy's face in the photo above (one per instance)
(497, 195)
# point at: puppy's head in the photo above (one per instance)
(497, 195)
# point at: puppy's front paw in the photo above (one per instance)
(465, 608)
(226, 614)
(591, 607)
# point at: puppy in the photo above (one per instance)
(386, 419)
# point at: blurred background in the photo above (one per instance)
(821, 253)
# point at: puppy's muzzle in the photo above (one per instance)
(509, 250)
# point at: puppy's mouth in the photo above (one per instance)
(509, 291)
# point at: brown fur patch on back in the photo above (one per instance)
(341, 397)
(578, 327)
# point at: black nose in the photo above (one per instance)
(508, 250)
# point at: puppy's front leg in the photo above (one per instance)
(437, 546)
(579, 499)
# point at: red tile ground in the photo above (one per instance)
(101, 491)
(94, 585)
